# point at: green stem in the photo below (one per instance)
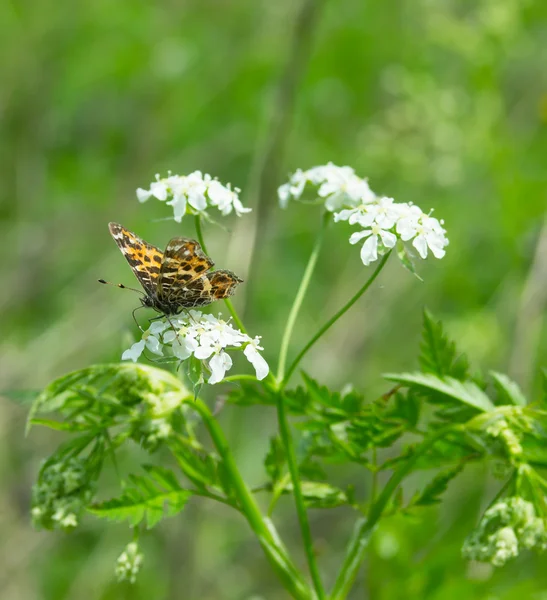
(298, 496)
(365, 527)
(333, 320)
(227, 301)
(304, 284)
(275, 552)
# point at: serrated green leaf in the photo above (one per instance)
(436, 487)
(508, 391)
(151, 499)
(438, 354)
(467, 392)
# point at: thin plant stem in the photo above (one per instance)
(276, 553)
(299, 298)
(227, 301)
(305, 530)
(333, 320)
(365, 527)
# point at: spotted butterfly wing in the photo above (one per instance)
(184, 282)
(144, 259)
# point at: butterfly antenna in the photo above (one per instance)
(122, 286)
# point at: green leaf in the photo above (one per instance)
(320, 495)
(467, 392)
(508, 391)
(438, 354)
(150, 498)
(58, 425)
(436, 487)
(102, 392)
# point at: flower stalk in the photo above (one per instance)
(299, 298)
(275, 552)
(332, 321)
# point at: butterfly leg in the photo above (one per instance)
(173, 328)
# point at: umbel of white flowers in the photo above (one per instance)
(193, 194)
(203, 336)
(382, 220)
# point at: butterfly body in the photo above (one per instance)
(176, 279)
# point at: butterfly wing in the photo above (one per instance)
(144, 259)
(208, 288)
(183, 262)
(184, 281)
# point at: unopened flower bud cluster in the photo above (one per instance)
(203, 336)
(193, 194)
(63, 490)
(506, 528)
(382, 220)
(129, 563)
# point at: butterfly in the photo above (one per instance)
(177, 278)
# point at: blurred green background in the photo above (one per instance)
(438, 102)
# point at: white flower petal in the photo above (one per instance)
(183, 347)
(358, 236)
(284, 194)
(261, 366)
(203, 352)
(158, 189)
(388, 239)
(134, 352)
(369, 251)
(219, 364)
(179, 207)
(154, 345)
(421, 245)
(143, 195)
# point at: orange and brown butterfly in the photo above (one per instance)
(177, 278)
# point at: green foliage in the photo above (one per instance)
(466, 392)
(150, 499)
(508, 391)
(438, 354)
(433, 491)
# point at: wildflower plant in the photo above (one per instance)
(438, 419)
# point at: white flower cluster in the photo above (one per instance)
(506, 527)
(129, 563)
(203, 336)
(339, 186)
(193, 194)
(383, 220)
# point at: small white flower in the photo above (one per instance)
(339, 186)
(369, 251)
(193, 194)
(203, 336)
(350, 198)
(425, 231)
(251, 352)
